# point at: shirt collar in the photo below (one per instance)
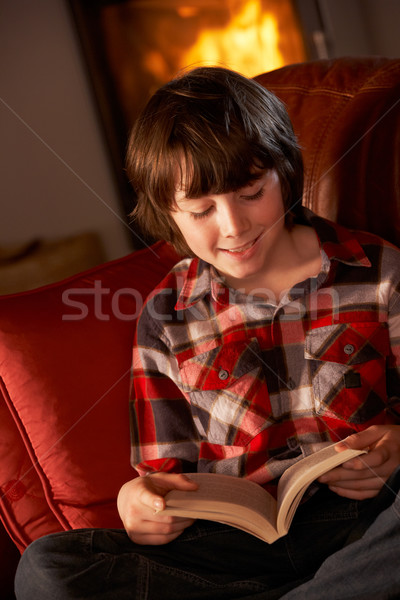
(200, 279)
(337, 243)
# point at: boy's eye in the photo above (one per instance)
(255, 196)
(201, 215)
(205, 213)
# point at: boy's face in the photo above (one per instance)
(238, 232)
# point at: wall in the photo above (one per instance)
(382, 21)
(56, 180)
(351, 27)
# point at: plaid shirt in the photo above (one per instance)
(242, 385)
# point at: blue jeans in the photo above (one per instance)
(336, 549)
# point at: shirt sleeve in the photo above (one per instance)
(163, 434)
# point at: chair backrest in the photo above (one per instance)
(346, 114)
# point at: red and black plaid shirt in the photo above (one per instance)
(242, 385)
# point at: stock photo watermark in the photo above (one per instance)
(126, 304)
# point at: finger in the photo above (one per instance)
(164, 482)
(336, 476)
(353, 494)
(362, 439)
(346, 474)
(372, 460)
(151, 500)
(372, 483)
(159, 484)
(155, 532)
(376, 457)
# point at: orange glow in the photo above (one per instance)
(249, 43)
(148, 42)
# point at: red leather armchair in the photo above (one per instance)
(65, 349)
(346, 114)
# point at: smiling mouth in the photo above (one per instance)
(242, 249)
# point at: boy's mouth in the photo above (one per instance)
(242, 249)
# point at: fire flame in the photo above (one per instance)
(249, 36)
(249, 43)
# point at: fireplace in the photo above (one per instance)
(132, 47)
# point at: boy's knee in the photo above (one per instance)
(30, 570)
(36, 576)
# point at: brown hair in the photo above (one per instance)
(218, 125)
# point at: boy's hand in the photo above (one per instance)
(141, 498)
(362, 477)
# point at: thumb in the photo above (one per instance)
(361, 440)
(159, 484)
(164, 482)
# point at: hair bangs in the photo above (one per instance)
(212, 164)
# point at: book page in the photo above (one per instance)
(229, 500)
(296, 479)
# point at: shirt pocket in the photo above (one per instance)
(227, 392)
(348, 369)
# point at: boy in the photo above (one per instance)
(279, 334)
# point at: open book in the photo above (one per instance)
(246, 505)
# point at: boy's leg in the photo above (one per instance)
(208, 561)
(367, 568)
(105, 564)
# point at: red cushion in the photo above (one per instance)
(23, 507)
(65, 354)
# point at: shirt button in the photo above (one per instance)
(349, 349)
(290, 384)
(223, 374)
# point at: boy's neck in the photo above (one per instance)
(298, 260)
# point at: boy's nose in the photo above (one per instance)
(233, 221)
